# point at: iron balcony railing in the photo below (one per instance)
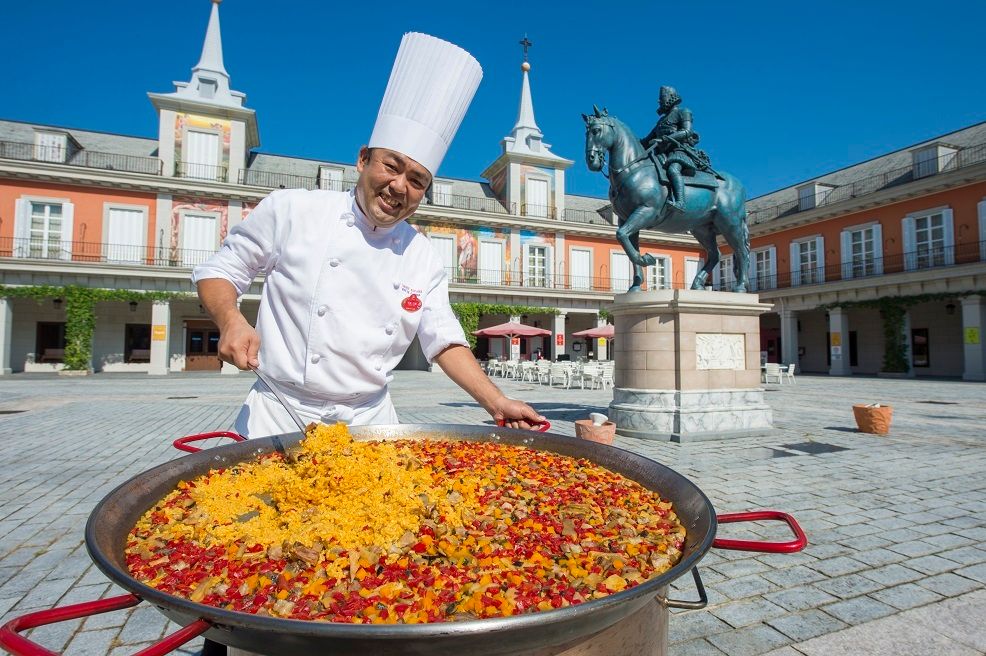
(83, 158)
(141, 255)
(214, 173)
(959, 159)
(274, 180)
(539, 211)
(585, 216)
(471, 203)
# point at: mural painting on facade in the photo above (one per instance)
(203, 126)
(461, 255)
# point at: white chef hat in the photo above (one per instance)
(430, 88)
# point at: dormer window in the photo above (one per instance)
(50, 146)
(812, 195)
(330, 178)
(441, 193)
(207, 88)
(933, 159)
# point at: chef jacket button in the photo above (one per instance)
(397, 284)
(378, 365)
(348, 217)
(350, 222)
(334, 262)
(389, 330)
(322, 309)
(316, 358)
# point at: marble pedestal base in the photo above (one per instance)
(688, 366)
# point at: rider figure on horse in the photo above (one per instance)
(673, 141)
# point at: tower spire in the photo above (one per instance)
(212, 49)
(525, 114)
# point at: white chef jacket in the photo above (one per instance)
(336, 314)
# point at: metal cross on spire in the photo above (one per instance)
(527, 43)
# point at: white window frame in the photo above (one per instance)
(652, 278)
(818, 273)
(48, 153)
(771, 276)
(699, 262)
(933, 159)
(141, 248)
(909, 227)
(548, 263)
(22, 225)
(326, 182)
(547, 196)
(218, 166)
(845, 239)
(588, 286)
(612, 274)
(181, 231)
(725, 265)
(492, 275)
(450, 268)
(441, 193)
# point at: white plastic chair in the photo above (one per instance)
(591, 373)
(606, 375)
(541, 370)
(789, 374)
(558, 371)
(527, 370)
(772, 370)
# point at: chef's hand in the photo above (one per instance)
(516, 414)
(239, 344)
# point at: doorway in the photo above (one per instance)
(202, 346)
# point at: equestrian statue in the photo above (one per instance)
(663, 182)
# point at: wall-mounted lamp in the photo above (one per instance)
(133, 306)
(950, 308)
(57, 303)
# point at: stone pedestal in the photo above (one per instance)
(688, 365)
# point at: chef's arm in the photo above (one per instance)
(459, 364)
(239, 343)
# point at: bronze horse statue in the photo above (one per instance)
(639, 198)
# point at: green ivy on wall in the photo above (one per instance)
(80, 313)
(468, 314)
(893, 311)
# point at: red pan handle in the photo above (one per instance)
(542, 427)
(12, 641)
(182, 443)
(799, 543)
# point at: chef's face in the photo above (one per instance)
(390, 185)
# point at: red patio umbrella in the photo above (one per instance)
(511, 329)
(606, 331)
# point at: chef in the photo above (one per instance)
(349, 284)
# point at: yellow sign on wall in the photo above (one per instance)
(972, 335)
(159, 332)
(836, 339)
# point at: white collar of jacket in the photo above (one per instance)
(368, 228)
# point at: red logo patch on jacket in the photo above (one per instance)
(412, 303)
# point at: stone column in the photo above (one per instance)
(6, 333)
(160, 338)
(602, 345)
(973, 324)
(789, 337)
(559, 329)
(839, 342)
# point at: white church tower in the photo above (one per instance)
(205, 131)
(527, 176)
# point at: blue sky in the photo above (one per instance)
(781, 91)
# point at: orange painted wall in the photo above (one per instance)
(965, 221)
(88, 220)
(601, 249)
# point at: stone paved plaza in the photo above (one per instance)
(896, 564)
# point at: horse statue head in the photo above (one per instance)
(599, 137)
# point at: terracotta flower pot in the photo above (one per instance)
(604, 434)
(873, 418)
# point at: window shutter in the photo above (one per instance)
(982, 230)
(878, 249)
(820, 253)
(549, 266)
(949, 237)
(910, 257)
(68, 221)
(795, 265)
(846, 238)
(22, 228)
(668, 277)
(751, 269)
(772, 282)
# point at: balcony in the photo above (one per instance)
(538, 211)
(471, 203)
(83, 158)
(209, 172)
